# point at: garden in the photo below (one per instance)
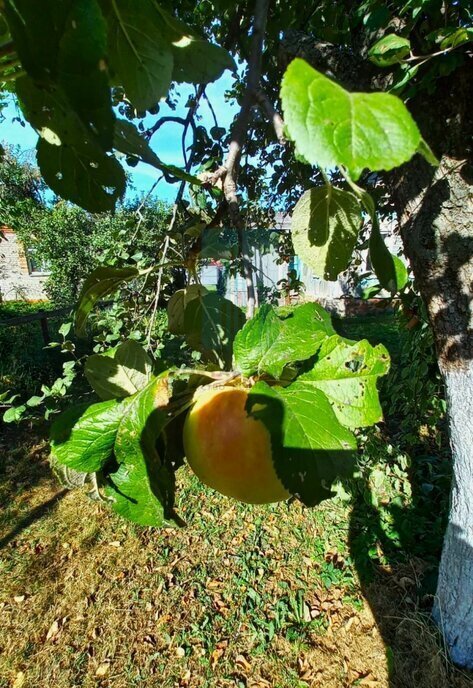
(235, 430)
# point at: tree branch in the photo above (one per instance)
(238, 139)
(162, 120)
(278, 122)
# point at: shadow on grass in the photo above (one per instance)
(34, 515)
(23, 466)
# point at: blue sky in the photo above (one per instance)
(166, 142)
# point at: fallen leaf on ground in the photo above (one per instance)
(103, 669)
(53, 630)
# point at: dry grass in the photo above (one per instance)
(234, 599)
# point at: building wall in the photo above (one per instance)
(267, 270)
(16, 281)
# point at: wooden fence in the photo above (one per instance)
(41, 316)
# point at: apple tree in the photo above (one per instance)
(323, 129)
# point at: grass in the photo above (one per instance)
(382, 328)
(243, 596)
(255, 597)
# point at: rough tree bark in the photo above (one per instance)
(435, 209)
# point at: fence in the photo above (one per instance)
(41, 316)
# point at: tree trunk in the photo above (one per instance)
(435, 208)
(453, 607)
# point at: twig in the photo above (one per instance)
(158, 291)
(211, 108)
(163, 120)
(189, 120)
(273, 114)
(239, 134)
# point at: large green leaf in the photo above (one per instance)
(333, 127)
(195, 59)
(82, 438)
(310, 447)
(36, 29)
(347, 373)
(142, 488)
(324, 229)
(86, 175)
(389, 50)
(210, 325)
(81, 72)
(177, 305)
(268, 342)
(101, 282)
(139, 52)
(120, 375)
(49, 112)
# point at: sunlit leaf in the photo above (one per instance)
(333, 127)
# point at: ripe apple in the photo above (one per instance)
(229, 450)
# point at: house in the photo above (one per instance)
(268, 272)
(21, 276)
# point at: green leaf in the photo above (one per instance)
(177, 306)
(389, 50)
(36, 29)
(456, 37)
(213, 245)
(101, 282)
(127, 372)
(14, 414)
(82, 438)
(50, 113)
(332, 127)
(389, 269)
(310, 447)
(324, 229)
(347, 373)
(402, 76)
(142, 488)
(268, 343)
(139, 52)
(128, 140)
(81, 68)
(195, 59)
(35, 401)
(86, 176)
(426, 151)
(210, 324)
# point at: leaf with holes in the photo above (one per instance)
(86, 176)
(347, 373)
(139, 52)
(324, 228)
(269, 342)
(310, 447)
(333, 127)
(81, 67)
(195, 59)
